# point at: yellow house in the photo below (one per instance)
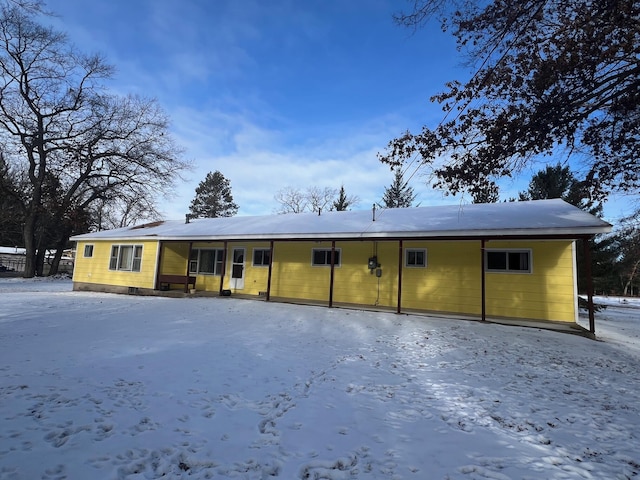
(503, 260)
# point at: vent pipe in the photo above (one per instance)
(187, 217)
(373, 212)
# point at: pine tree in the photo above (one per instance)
(213, 198)
(399, 194)
(560, 182)
(343, 202)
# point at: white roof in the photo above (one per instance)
(538, 217)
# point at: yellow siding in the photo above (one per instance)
(451, 281)
(294, 277)
(205, 282)
(174, 261)
(547, 293)
(255, 278)
(355, 283)
(96, 269)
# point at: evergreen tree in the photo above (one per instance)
(399, 194)
(559, 182)
(12, 216)
(213, 198)
(343, 202)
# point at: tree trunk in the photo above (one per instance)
(40, 254)
(60, 244)
(631, 277)
(55, 262)
(30, 246)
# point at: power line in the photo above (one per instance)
(490, 70)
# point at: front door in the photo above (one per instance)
(237, 269)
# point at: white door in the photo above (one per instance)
(237, 269)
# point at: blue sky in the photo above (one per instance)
(276, 94)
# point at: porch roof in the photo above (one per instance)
(537, 218)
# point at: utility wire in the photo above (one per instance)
(475, 75)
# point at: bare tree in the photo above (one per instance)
(552, 77)
(321, 199)
(313, 199)
(56, 121)
(291, 200)
(123, 211)
(627, 243)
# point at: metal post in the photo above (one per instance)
(186, 278)
(159, 266)
(587, 264)
(483, 287)
(270, 270)
(333, 258)
(224, 266)
(400, 262)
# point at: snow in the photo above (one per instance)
(536, 217)
(12, 250)
(105, 386)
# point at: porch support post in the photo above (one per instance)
(483, 282)
(224, 266)
(333, 260)
(400, 262)
(588, 272)
(270, 270)
(186, 278)
(157, 282)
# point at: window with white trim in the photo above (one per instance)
(517, 261)
(127, 258)
(88, 251)
(415, 257)
(206, 261)
(261, 257)
(321, 257)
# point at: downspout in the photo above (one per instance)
(483, 283)
(270, 270)
(399, 308)
(333, 258)
(588, 272)
(186, 278)
(224, 267)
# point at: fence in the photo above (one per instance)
(13, 263)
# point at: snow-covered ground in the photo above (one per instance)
(99, 386)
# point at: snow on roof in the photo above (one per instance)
(537, 217)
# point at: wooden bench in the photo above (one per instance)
(182, 280)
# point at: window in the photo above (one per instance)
(207, 261)
(415, 257)
(126, 257)
(322, 257)
(261, 257)
(88, 251)
(508, 261)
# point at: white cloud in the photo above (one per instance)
(260, 161)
